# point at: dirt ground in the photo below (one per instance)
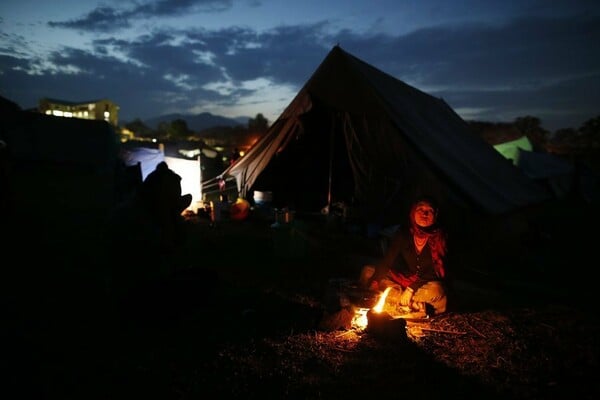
(237, 311)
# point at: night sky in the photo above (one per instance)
(489, 60)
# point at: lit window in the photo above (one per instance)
(48, 112)
(58, 113)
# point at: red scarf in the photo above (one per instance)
(436, 240)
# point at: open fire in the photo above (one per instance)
(361, 320)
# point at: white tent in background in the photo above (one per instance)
(147, 157)
(189, 170)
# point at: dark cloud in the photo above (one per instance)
(101, 19)
(14, 45)
(567, 104)
(526, 65)
(285, 55)
(109, 19)
(157, 54)
(173, 8)
(527, 52)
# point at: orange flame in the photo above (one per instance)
(379, 306)
(360, 319)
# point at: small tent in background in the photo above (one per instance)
(511, 149)
(556, 173)
(357, 135)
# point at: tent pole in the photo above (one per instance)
(331, 128)
(200, 176)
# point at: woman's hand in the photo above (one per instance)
(374, 285)
(406, 297)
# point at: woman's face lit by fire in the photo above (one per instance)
(424, 214)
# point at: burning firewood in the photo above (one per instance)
(382, 325)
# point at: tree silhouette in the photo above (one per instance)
(532, 128)
(178, 129)
(258, 124)
(590, 132)
(139, 128)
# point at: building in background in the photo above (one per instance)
(103, 109)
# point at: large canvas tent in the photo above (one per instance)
(357, 135)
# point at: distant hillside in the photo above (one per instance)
(243, 120)
(198, 122)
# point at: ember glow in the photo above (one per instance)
(360, 320)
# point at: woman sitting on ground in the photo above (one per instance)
(415, 263)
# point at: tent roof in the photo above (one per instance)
(45, 138)
(346, 85)
(538, 165)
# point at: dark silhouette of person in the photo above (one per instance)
(161, 195)
(146, 230)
